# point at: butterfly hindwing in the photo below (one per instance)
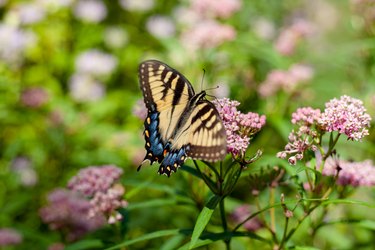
(179, 124)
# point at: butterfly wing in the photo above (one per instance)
(166, 95)
(202, 136)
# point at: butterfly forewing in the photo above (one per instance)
(164, 91)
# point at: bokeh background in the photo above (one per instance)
(70, 98)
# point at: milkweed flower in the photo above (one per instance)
(303, 139)
(9, 236)
(346, 115)
(239, 127)
(100, 186)
(68, 211)
(351, 173)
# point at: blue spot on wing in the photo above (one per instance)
(173, 160)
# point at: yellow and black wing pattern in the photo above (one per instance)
(179, 123)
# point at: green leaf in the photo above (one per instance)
(203, 219)
(85, 244)
(303, 248)
(145, 237)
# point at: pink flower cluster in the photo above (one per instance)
(34, 97)
(286, 80)
(306, 116)
(305, 138)
(203, 29)
(9, 236)
(289, 37)
(207, 34)
(93, 197)
(351, 173)
(239, 127)
(68, 211)
(346, 116)
(216, 8)
(98, 184)
(241, 213)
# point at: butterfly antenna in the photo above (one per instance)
(212, 89)
(204, 73)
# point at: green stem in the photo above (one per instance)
(224, 222)
(283, 239)
(331, 147)
(307, 214)
(272, 210)
(206, 179)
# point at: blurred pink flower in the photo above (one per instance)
(115, 37)
(289, 37)
(99, 185)
(34, 97)
(216, 8)
(95, 179)
(95, 62)
(68, 211)
(161, 26)
(347, 116)
(84, 88)
(241, 213)
(55, 4)
(9, 236)
(351, 173)
(56, 246)
(207, 34)
(30, 13)
(264, 28)
(137, 5)
(286, 80)
(14, 42)
(91, 11)
(27, 174)
(140, 110)
(239, 127)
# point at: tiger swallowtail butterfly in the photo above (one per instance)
(179, 123)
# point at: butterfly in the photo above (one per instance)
(179, 123)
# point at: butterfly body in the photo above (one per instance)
(180, 123)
